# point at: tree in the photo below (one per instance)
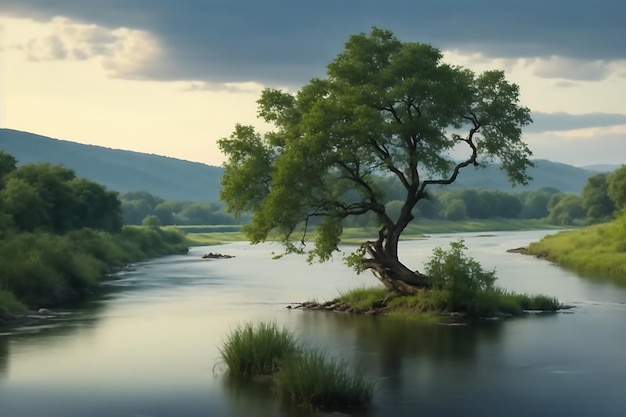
(564, 209)
(617, 187)
(8, 163)
(595, 197)
(387, 108)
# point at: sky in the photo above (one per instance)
(172, 77)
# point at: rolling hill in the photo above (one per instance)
(175, 179)
(123, 171)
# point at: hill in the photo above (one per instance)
(175, 179)
(563, 177)
(123, 171)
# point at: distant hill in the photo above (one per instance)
(565, 178)
(601, 167)
(175, 179)
(123, 171)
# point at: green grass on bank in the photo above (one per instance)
(213, 235)
(598, 250)
(433, 305)
(459, 285)
(43, 269)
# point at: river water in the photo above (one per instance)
(148, 346)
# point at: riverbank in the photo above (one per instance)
(434, 305)
(215, 235)
(44, 270)
(598, 250)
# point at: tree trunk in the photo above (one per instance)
(383, 261)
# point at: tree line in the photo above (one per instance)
(60, 235)
(141, 207)
(601, 196)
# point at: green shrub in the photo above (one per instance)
(8, 303)
(257, 350)
(313, 378)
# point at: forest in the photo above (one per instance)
(595, 204)
(60, 236)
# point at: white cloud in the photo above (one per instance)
(224, 87)
(120, 51)
(49, 48)
(570, 68)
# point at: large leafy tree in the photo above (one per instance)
(386, 108)
(617, 187)
(595, 198)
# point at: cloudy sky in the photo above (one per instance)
(171, 77)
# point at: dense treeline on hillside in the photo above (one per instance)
(603, 195)
(555, 207)
(140, 206)
(460, 204)
(61, 234)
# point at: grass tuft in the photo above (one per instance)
(257, 350)
(315, 379)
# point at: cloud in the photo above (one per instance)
(570, 68)
(580, 148)
(277, 40)
(223, 87)
(49, 48)
(122, 52)
(552, 122)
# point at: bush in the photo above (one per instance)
(313, 378)
(257, 350)
(8, 303)
(462, 277)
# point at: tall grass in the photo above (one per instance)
(306, 376)
(598, 250)
(316, 379)
(257, 350)
(44, 269)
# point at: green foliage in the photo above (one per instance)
(315, 379)
(9, 303)
(152, 221)
(455, 210)
(429, 305)
(42, 269)
(136, 206)
(50, 198)
(383, 111)
(595, 198)
(257, 350)
(617, 187)
(597, 251)
(565, 209)
(362, 299)
(456, 272)
(7, 165)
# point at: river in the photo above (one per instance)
(148, 346)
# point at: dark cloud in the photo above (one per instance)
(547, 122)
(276, 41)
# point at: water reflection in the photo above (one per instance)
(148, 345)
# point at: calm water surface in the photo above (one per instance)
(149, 346)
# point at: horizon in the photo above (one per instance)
(171, 80)
(219, 166)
